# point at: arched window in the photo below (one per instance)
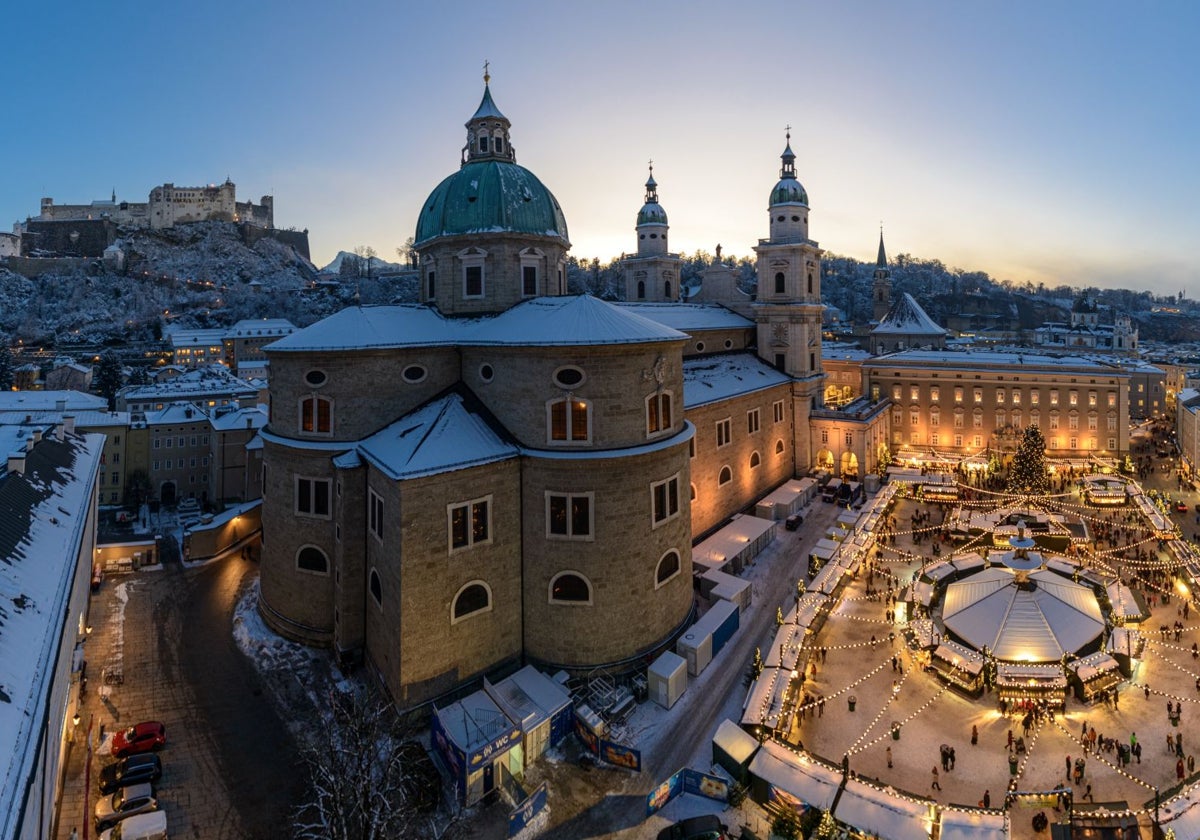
(376, 587)
(471, 600)
(316, 415)
(569, 420)
(810, 282)
(725, 477)
(779, 447)
(312, 559)
(641, 291)
(668, 567)
(755, 460)
(779, 283)
(570, 588)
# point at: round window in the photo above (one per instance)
(568, 377)
(413, 374)
(315, 378)
(486, 373)
(795, 218)
(728, 343)
(699, 346)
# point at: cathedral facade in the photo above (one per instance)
(507, 473)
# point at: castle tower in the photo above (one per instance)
(788, 307)
(653, 274)
(881, 289)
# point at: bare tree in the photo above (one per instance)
(365, 254)
(369, 778)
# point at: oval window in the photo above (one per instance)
(699, 346)
(728, 343)
(413, 374)
(568, 377)
(486, 373)
(315, 378)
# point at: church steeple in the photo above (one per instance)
(652, 274)
(788, 170)
(487, 130)
(652, 221)
(881, 290)
(788, 204)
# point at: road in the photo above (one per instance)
(690, 732)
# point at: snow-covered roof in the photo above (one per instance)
(213, 379)
(712, 378)
(239, 418)
(690, 317)
(906, 317)
(1022, 624)
(42, 533)
(528, 696)
(474, 721)
(373, 327)
(260, 327)
(569, 320)
(990, 358)
(441, 436)
(963, 824)
(812, 782)
(49, 401)
(178, 412)
(83, 419)
(192, 338)
(882, 813)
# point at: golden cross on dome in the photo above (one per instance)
(486, 75)
(788, 129)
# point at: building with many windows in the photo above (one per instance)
(506, 473)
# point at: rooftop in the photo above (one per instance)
(713, 378)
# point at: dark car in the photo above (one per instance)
(144, 767)
(707, 827)
(140, 738)
(793, 522)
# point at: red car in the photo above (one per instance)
(1181, 507)
(141, 738)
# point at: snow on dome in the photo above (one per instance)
(906, 317)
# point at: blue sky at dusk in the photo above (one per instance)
(1044, 142)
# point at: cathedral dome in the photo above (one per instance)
(652, 214)
(490, 196)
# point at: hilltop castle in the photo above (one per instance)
(168, 206)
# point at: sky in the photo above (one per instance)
(1039, 142)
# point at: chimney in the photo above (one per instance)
(60, 405)
(29, 444)
(16, 462)
(249, 422)
(59, 433)
(69, 423)
(37, 436)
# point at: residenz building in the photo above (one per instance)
(506, 473)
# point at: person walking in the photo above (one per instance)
(987, 799)
(1068, 767)
(936, 786)
(1087, 794)
(974, 735)
(953, 757)
(889, 757)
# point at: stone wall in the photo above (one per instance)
(77, 238)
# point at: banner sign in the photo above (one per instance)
(527, 812)
(664, 793)
(621, 756)
(702, 784)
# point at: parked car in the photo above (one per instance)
(793, 522)
(140, 738)
(135, 799)
(707, 827)
(148, 826)
(188, 506)
(142, 767)
(1181, 507)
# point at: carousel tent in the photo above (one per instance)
(1038, 621)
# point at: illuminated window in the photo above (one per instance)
(958, 394)
(470, 523)
(935, 393)
(570, 588)
(316, 415)
(570, 420)
(978, 396)
(569, 516)
(658, 413)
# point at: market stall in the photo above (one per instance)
(959, 666)
(971, 824)
(1094, 675)
(1026, 686)
(884, 813)
(784, 776)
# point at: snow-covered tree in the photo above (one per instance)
(369, 778)
(1028, 474)
(108, 378)
(6, 365)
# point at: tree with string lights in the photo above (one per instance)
(1027, 476)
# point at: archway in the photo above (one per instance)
(166, 493)
(849, 465)
(825, 460)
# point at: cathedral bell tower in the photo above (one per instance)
(881, 288)
(788, 306)
(652, 275)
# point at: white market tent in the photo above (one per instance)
(785, 650)
(811, 782)
(765, 699)
(1182, 813)
(961, 824)
(1021, 624)
(884, 814)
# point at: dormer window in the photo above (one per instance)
(483, 144)
(499, 145)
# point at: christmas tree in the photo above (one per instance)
(1028, 474)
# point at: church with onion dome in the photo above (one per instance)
(505, 473)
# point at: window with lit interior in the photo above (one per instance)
(316, 415)
(570, 420)
(470, 523)
(570, 588)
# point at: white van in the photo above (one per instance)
(152, 826)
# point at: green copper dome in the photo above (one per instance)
(789, 191)
(490, 196)
(652, 214)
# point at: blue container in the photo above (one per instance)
(725, 624)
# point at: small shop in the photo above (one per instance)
(1128, 606)
(784, 778)
(1104, 491)
(972, 824)
(541, 706)
(883, 813)
(770, 703)
(1125, 645)
(1093, 676)
(479, 745)
(1027, 686)
(736, 545)
(959, 666)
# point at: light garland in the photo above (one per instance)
(1098, 757)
